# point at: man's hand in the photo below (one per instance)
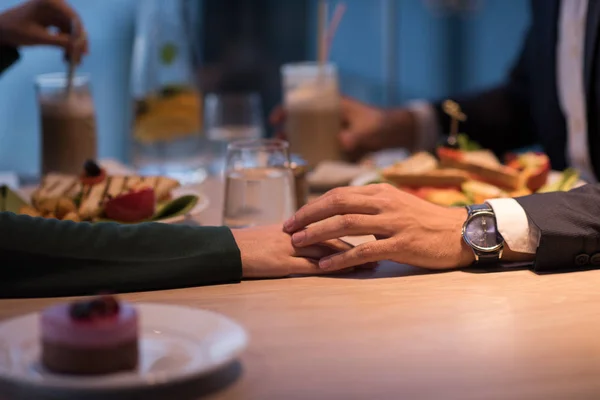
(30, 23)
(267, 252)
(409, 230)
(366, 128)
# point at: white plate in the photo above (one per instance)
(370, 176)
(365, 178)
(201, 205)
(176, 344)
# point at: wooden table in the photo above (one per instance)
(400, 333)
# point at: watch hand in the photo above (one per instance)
(485, 232)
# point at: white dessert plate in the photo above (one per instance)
(201, 205)
(176, 344)
(371, 176)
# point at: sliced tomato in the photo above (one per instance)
(134, 206)
(534, 166)
(448, 153)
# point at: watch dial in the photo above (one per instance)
(482, 232)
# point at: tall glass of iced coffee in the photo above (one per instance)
(68, 123)
(312, 104)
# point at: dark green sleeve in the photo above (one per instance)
(8, 56)
(47, 257)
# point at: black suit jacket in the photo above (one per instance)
(525, 110)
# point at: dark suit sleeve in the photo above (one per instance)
(570, 227)
(47, 257)
(8, 56)
(499, 118)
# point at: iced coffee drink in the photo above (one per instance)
(68, 124)
(312, 104)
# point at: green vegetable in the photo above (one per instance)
(173, 89)
(77, 199)
(178, 206)
(466, 144)
(168, 53)
(461, 204)
(567, 181)
(570, 179)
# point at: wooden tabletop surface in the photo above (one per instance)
(400, 333)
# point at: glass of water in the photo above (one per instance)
(259, 183)
(229, 117)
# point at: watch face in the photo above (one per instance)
(481, 233)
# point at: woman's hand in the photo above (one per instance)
(409, 230)
(267, 252)
(29, 24)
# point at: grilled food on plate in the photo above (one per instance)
(461, 177)
(96, 196)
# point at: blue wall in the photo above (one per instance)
(110, 29)
(493, 37)
(388, 51)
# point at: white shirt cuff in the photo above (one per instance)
(428, 129)
(519, 233)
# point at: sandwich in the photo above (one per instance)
(482, 166)
(422, 169)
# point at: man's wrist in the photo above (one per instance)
(466, 255)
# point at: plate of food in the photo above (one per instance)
(471, 175)
(102, 344)
(96, 196)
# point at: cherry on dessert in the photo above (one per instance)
(105, 306)
(80, 310)
(110, 304)
(91, 168)
(100, 307)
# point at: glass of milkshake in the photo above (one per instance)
(312, 104)
(68, 123)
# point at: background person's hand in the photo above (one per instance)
(30, 24)
(364, 127)
(267, 252)
(409, 230)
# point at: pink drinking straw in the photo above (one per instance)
(338, 14)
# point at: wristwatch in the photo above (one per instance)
(480, 232)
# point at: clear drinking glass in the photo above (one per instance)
(68, 123)
(312, 103)
(229, 117)
(259, 184)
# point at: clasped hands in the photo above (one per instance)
(408, 230)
